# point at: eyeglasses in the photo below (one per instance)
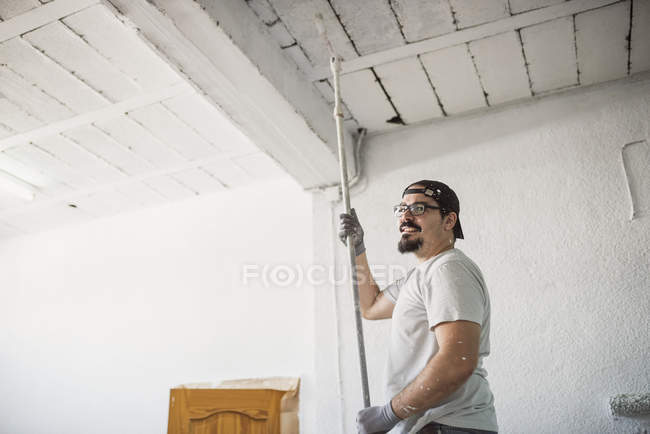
(417, 208)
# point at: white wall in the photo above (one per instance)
(99, 321)
(546, 214)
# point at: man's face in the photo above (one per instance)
(424, 232)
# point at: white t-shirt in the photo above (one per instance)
(447, 287)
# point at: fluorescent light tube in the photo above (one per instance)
(16, 186)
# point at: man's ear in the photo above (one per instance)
(451, 219)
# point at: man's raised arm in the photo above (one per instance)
(373, 304)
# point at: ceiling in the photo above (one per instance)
(113, 105)
(96, 123)
(410, 61)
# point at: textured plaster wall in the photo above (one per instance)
(99, 321)
(547, 215)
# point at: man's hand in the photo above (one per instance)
(376, 419)
(349, 226)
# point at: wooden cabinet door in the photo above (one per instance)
(224, 411)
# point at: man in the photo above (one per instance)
(435, 381)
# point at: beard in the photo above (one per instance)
(406, 245)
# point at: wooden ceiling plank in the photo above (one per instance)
(119, 43)
(601, 43)
(40, 16)
(260, 166)
(30, 98)
(70, 51)
(209, 123)
(86, 163)
(56, 81)
(453, 76)
(169, 187)
(502, 68)
(47, 186)
(173, 132)
(16, 118)
(228, 173)
(551, 55)
(100, 144)
(133, 136)
(141, 193)
(410, 90)
(51, 166)
(199, 181)
(5, 131)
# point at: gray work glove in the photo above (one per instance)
(376, 419)
(349, 226)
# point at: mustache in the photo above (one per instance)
(409, 225)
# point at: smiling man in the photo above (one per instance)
(435, 380)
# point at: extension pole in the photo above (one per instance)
(335, 65)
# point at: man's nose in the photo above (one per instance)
(406, 217)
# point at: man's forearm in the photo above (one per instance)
(441, 376)
(368, 289)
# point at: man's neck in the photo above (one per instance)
(425, 256)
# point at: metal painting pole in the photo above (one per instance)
(335, 66)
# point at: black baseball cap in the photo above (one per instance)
(442, 194)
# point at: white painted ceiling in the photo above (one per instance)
(410, 61)
(98, 123)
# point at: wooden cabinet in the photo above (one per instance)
(224, 411)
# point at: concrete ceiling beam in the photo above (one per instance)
(229, 55)
(470, 34)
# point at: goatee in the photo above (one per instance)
(406, 245)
